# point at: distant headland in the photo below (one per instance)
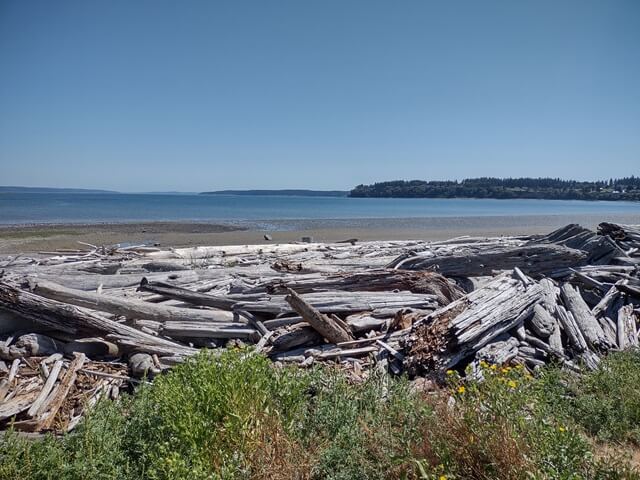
(13, 189)
(286, 192)
(504, 188)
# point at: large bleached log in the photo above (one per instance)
(450, 334)
(531, 259)
(92, 282)
(326, 302)
(586, 321)
(129, 308)
(72, 320)
(342, 302)
(324, 325)
(373, 281)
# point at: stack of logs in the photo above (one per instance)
(83, 325)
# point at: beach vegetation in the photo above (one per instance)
(237, 416)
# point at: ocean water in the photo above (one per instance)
(263, 211)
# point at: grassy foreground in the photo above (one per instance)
(236, 416)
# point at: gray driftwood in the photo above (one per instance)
(323, 324)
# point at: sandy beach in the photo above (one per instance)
(36, 238)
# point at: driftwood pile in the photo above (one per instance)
(78, 325)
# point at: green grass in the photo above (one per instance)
(235, 416)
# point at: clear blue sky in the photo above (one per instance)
(194, 95)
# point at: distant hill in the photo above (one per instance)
(12, 189)
(487, 187)
(297, 193)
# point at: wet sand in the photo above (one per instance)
(36, 238)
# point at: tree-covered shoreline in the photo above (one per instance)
(627, 188)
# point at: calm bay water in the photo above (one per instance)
(36, 208)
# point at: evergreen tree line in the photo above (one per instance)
(627, 188)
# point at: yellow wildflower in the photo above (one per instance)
(483, 364)
(512, 384)
(442, 477)
(450, 372)
(493, 367)
(504, 370)
(461, 389)
(562, 429)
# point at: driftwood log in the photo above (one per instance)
(323, 324)
(127, 308)
(449, 335)
(531, 259)
(74, 320)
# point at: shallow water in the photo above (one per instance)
(266, 211)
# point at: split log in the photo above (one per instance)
(324, 325)
(59, 395)
(447, 336)
(17, 404)
(40, 403)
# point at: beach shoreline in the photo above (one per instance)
(29, 238)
